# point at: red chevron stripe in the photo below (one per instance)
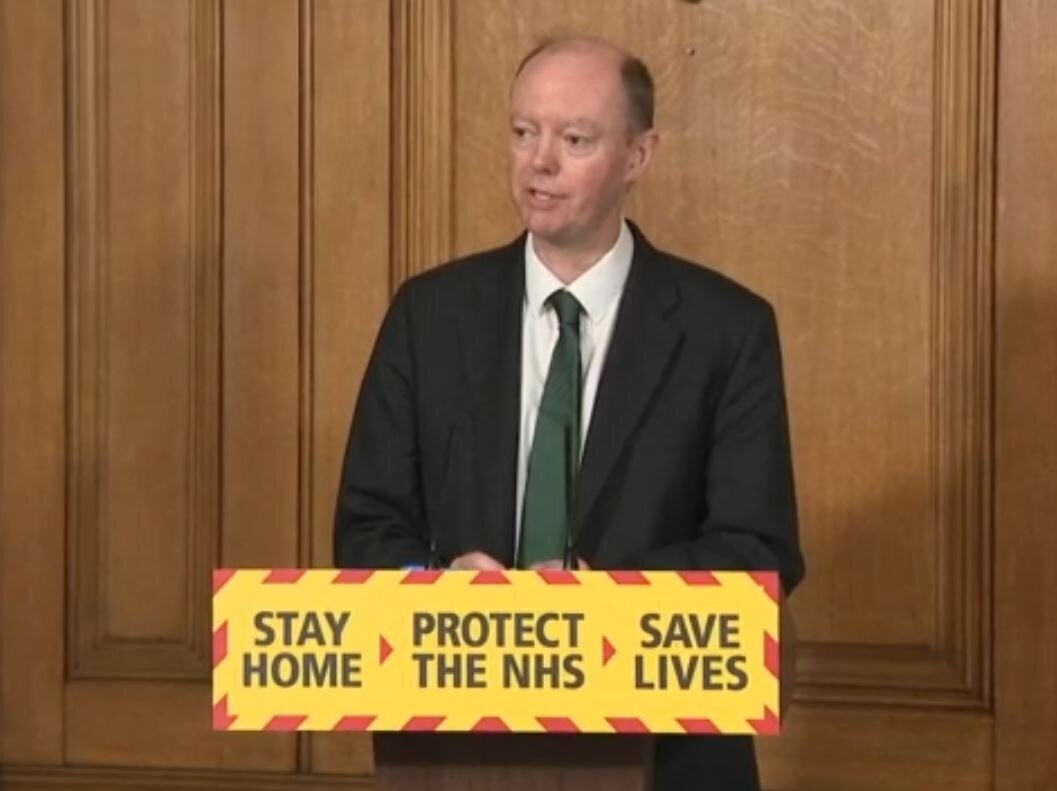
(558, 724)
(699, 578)
(220, 643)
(421, 577)
(355, 722)
(771, 654)
(222, 720)
(423, 723)
(490, 725)
(629, 578)
(697, 725)
(352, 576)
(490, 578)
(285, 722)
(628, 725)
(220, 578)
(283, 576)
(768, 580)
(767, 725)
(558, 577)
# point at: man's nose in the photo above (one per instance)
(545, 154)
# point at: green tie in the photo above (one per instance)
(556, 445)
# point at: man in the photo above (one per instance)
(673, 428)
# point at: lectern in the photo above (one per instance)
(504, 680)
(512, 762)
(534, 762)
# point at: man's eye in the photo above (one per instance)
(577, 141)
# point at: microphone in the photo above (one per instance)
(569, 560)
(433, 561)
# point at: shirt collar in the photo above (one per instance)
(596, 289)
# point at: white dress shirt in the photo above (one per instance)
(598, 290)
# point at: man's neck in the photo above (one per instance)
(567, 264)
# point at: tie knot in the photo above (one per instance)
(568, 309)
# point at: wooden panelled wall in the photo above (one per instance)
(205, 205)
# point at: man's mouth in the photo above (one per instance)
(542, 196)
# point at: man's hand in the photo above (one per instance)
(581, 565)
(476, 561)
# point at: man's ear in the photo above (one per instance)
(642, 147)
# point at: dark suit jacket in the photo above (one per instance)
(686, 463)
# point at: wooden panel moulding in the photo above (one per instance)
(143, 310)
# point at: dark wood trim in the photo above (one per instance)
(23, 778)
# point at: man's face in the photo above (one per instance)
(572, 152)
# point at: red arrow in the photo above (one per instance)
(607, 651)
(384, 649)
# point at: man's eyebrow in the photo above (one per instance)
(584, 122)
(578, 122)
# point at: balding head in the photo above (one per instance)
(634, 75)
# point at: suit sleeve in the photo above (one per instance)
(751, 521)
(379, 521)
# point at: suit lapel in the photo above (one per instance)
(643, 343)
(490, 334)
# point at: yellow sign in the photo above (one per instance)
(558, 651)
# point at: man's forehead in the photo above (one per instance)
(572, 81)
(582, 45)
(576, 77)
(566, 104)
(535, 115)
(575, 56)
